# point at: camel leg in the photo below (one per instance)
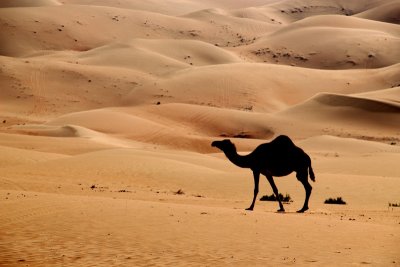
(275, 189)
(302, 177)
(256, 180)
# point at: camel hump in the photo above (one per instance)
(283, 140)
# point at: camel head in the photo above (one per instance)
(224, 145)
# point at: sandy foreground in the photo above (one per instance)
(108, 110)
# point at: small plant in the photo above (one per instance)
(394, 205)
(179, 192)
(272, 197)
(124, 191)
(337, 200)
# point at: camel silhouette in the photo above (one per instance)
(280, 157)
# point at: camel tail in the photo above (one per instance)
(312, 175)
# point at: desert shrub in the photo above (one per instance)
(337, 200)
(394, 205)
(179, 192)
(272, 197)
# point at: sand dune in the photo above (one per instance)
(354, 115)
(388, 12)
(178, 127)
(368, 105)
(363, 104)
(166, 55)
(328, 7)
(68, 131)
(64, 131)
(392, 94)
(238, 30)
(77, 28)
(14, 156)
(55, 145)
(44, 88)
(252, 85)
(346, 101)
(284, 12)
(108, 110)
(354, 41)
(171, 7)
(346, 145)
(28, 3)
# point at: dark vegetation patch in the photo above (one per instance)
(272, 197)
(338, 201)
(179, 192)
(124, 191)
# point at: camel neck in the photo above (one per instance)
(238, 160)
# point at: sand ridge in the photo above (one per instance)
(108, 110)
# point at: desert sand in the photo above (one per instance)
(108, 110)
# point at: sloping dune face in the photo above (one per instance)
(108, 110)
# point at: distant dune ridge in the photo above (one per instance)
(108, 110)
(29, 3)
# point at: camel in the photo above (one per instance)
(280, 157)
